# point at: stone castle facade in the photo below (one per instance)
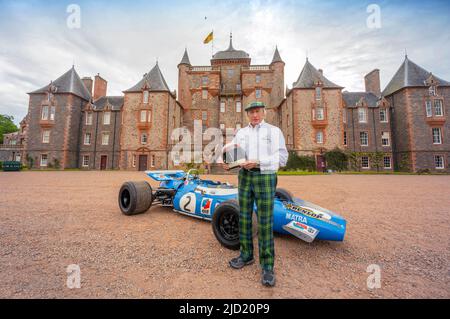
(73, 123)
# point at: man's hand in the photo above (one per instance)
(225, 166)
(249, 164)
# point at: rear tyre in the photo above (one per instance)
(135, 197)
(225, 224)
(284, 195)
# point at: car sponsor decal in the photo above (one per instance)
(296, 217)
(308, 211)
(303, 227)
(206, 206)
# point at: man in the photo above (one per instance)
(265, 151)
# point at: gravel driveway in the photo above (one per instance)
(50, 220)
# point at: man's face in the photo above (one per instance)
(255, 116)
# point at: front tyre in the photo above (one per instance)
(135, 197)
(225, 224)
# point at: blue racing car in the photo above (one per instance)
(188, 194)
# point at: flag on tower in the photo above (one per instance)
(209, 38)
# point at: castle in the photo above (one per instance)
(73, 123)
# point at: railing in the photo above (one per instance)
(256, 68)
(11, 146)
(203, 68)
(231, 92)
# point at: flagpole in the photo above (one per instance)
(212, 43)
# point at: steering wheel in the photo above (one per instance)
(192, 176)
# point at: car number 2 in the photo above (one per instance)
(187, 203)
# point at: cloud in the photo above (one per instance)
(122, 40)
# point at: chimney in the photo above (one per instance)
(88, 83)
(100, 86)
(372, 81)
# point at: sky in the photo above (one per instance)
(122, 40)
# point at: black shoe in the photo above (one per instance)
(268, 278)
(239, 262)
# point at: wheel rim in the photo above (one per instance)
(125, 199)
(229, 226)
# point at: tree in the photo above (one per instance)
(7, 126)
(336, 160)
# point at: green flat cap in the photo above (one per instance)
(254, 105)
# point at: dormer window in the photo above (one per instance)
(145, 97)
(432, 90)
(362, 115)
(318, 93)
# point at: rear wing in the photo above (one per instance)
(164, 175)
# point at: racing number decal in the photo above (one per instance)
(187, 203)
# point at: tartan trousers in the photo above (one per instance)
(259, 188)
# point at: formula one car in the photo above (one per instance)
(188, 194)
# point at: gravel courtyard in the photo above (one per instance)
(49, 220)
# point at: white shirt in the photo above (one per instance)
(263, 143)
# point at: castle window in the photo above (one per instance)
(204, 115)
(52, 113)
(238, 106)
(238, 87)
(144, 138)
(319, 137)
(258, 78)
(364, 138)
(222, 106)
(318, 93)
(385, 139)
(89, 118)
(387, 162)
(438, 108)
(437, 135)
(432, 90)
(86, 161)
(345, 138)
(383, 116)
(44, 113)
(146, 116)
(87, 139)
(362, 115)
(153, 162)
(145, 97)
(365, 162)
(44, 160)
(46, 136)
(204, 80)
(204, 94)
(230, 72)
(238, 126)
(344, 116)
(428, 108)
(222, 127)
(439, 161)
(134, 161)
(319, 114)
(258, 93)
(105, 138)
(106, 118)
